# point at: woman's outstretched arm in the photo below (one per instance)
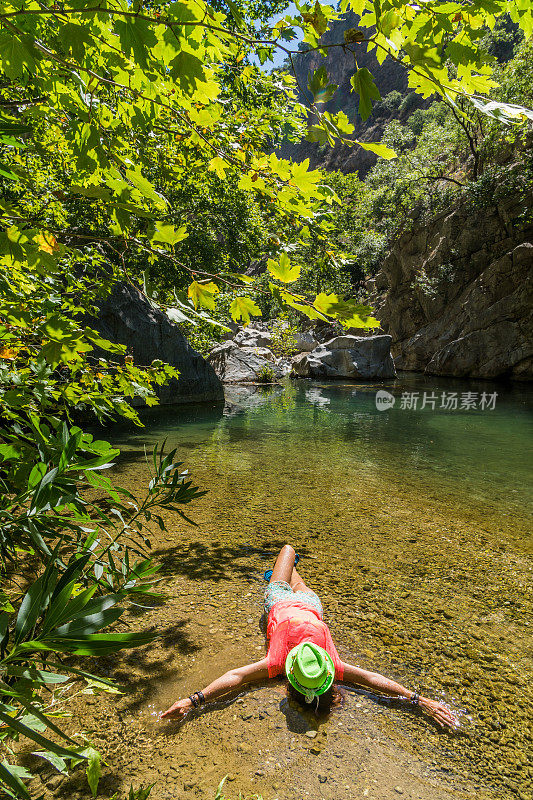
(232, 679)
(377, 682)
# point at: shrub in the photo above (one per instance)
(265, 375)
(409, 103)
(369, 253)
(390, 103)
(416, 121)
(284, 338)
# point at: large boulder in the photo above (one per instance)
(127, 317)
(355, 357)
(305, 342)
(456, 293)
(234, 364)
(253, 337)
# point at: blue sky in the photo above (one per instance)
(279, 56)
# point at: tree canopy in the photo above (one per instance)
(118, 103)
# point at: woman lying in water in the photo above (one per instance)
(300, 646)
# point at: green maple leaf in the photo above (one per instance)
(319, 85)
(16, 52)
(74, 39)
(243, 308)
(168, 234)
(282, 270)
(188, 70)
(136, 38)
(379, 149)
(363, 84)
(203, 294)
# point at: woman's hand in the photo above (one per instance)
(178, 710)
(437, 711)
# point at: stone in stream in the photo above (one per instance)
(237, 364)
(305, 341)
(356, 357)
(128, 317)
(253, 337)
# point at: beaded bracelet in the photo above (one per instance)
(415, 699)
(197, 699)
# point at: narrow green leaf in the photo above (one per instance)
(45, 720)
(56, 761)
(73, 570)
(11, 722)
(88, 624)
(94, 769)
(36, 675)
(12, 781)
(32, 604)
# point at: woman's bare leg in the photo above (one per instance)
(297, 582)
(284, 566)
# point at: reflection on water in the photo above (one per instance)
(414, 525)
(476, 457)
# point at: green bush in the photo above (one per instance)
(389, 104)
(265, 375)
(409, 103)
(416, 121)
(284, 338)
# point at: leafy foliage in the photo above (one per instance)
(443, 156)
(120, 109)
(265, 375)
(284, 337)
(87, 574)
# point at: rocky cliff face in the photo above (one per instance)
(340, 66)
(456, 294)
(128, 318)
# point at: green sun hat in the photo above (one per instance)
(310, 670)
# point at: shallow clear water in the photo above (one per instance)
(413, 525)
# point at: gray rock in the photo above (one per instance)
(457, 293)
(324, 331)
(233, 329)
(356, 357)
(234, 364)
(299, 365)
(253, 337)
(305, 342)
(283, 367)
(127, 317)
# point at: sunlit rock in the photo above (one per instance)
(356, 357)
